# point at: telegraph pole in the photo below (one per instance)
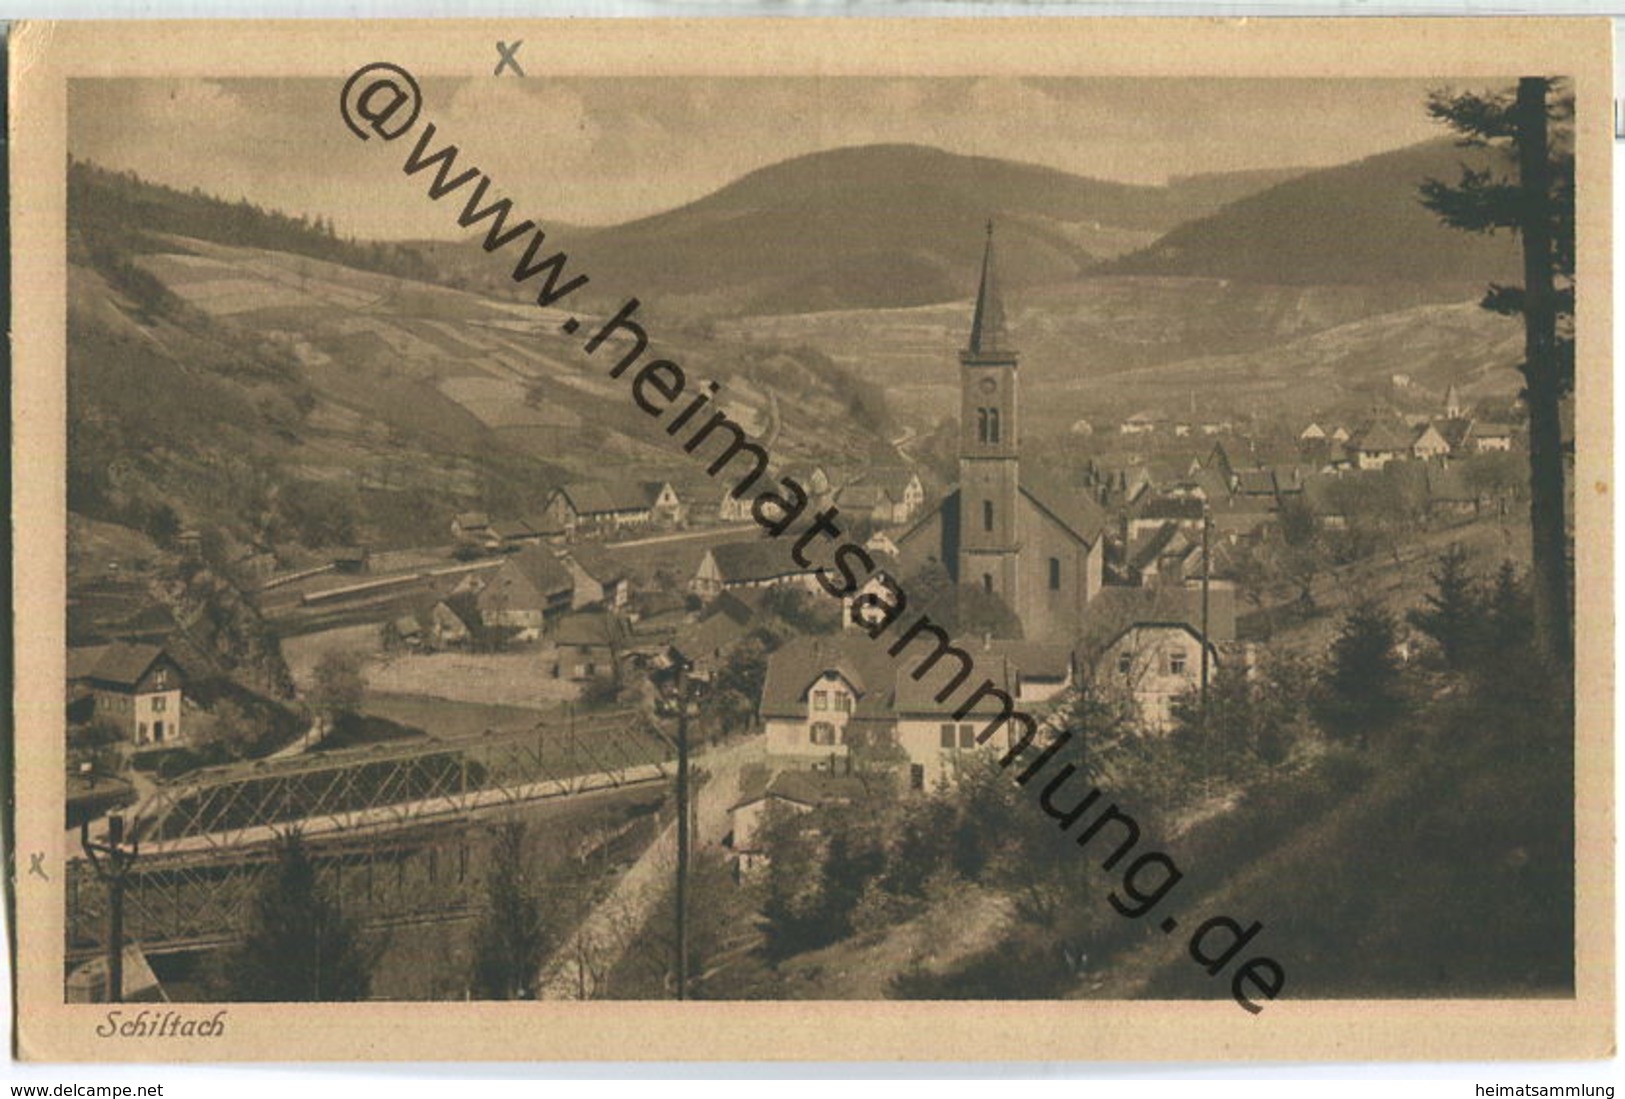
(112, 860)
(682, 832)
(1207, 570)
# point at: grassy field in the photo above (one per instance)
(444, 719)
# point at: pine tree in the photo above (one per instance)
(299, 947)
(512, 939)
(1532, 194)
(1509, 608)
(1454, 614)
(1361, 691)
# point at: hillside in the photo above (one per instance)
(1357, 223)
(877, 226)
(289, 403)
(1108, 345)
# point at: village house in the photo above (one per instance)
(1153, 642)
(902, 486)
(1152, 515)
(404, 632)
(1379, 442)
(1491, 437)
(866, 605)
(786, 792)
(447, 629)
(869, 502)
(1167, 554)
(137, 687)
(600, 579)
(1140, 423)
(1429, 443)
(819, 483)
(827, 697)
(1448, 494)
(732, 508)
(530, 590)
(590, 508)
(515, 534)
(588, 646)
(1324, 501)
(755, 563)
(1457, 435)
(881, 542)
(703, 647)
(471, 526)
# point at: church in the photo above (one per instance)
(1039, 547)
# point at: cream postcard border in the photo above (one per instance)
(44, 56)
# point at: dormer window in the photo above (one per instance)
(820, 700)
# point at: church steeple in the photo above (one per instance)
(987, 330)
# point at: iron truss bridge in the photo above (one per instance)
(390, 828)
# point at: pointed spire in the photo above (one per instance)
(987, 331)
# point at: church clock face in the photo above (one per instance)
(987, 385)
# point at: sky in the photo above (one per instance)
(601, 151)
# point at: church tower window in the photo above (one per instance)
(987, 515)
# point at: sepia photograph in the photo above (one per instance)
(958, 530)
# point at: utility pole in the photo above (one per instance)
(682, 831)
(112, 860)
(1207, 570)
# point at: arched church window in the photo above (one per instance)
(987, 515)
(992, 425)
(987, 582)
(981, 425)
(1054, 574)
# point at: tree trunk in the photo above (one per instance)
(1542, 375)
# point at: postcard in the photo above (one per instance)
(853, 539)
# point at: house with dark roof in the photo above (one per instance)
(471, 526)
(1149, 643)
(1430, 442)
(589, 646)
(901, 486)
(1457, 435)
(138, 687)
(752, 563)
(1378, 442)
(1449, 495)
(1258, 484)
(867, 501)
(604, 507)
(703, 647)
(1492, 437)
(1163, 555)
(514, 534)
(788, 792)
(1153, 514)
(600, 578)
(825, 696)
(530, 590)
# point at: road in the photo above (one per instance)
(680, 536)
(579, 969)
